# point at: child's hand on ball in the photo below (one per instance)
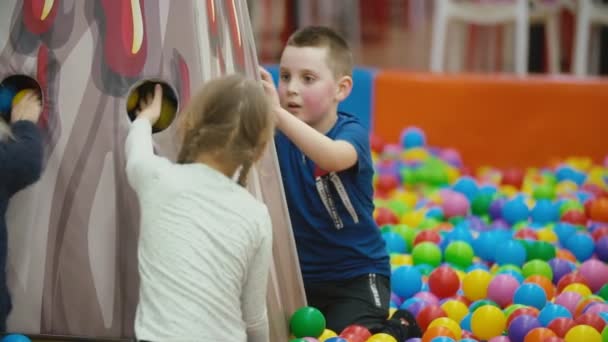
(27, 108)
(150, 105)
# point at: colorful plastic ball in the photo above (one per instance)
(552, 311)
(601, 248)
(448, 323)
(467, 186)
(459, 253)
(502, 288)
(561, 325)
(595, 272)
(591, 320)
(488, 321)
(444, 282)
(560, 268)
(15, 337)
(435, 332)
(335, 339)
(513, 177)
(581, 289)
(355, 333)
(537, 267)
(521, 326)
(426, 253)
(583, 333)
(570, 278)
(429, 314)
(454, 204)
(475, 284)
(307, 321)
(427, 236)
(543, 282)
(394, 243)
(540, 250)
(544, 212)
(523, 311)
(530, 294)
(576, 217)
(481, 204)
(326, 335)
(510, 252)
(485, 245)
(515, 210)
(569, 300)
(6, 97)
(455, 309)
(412, 137)
(384, 216)
(539, 335)
(406, 281)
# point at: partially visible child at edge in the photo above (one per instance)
(327, 171)
(205, 242)
(20, 165)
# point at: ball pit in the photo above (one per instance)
(489, 254)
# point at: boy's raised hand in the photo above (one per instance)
(28, 108)
(269, 88)
(150, 105)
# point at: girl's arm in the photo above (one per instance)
(253, 298)
(142, 164)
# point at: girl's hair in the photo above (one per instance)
(5, 130)
(230, 118)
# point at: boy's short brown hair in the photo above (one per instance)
(340, 59)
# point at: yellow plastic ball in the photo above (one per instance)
(584, 333)
(19, 96)
(381, 337)
(327, 333)
(167, 114)
(547, 235)
(401, 259)
(132, 100)
(488, 321)
(413, 218)
(447, 323)
(579, 288)
(475, 284)
(455, 309)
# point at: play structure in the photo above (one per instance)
(73, 235)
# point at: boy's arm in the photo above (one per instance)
(330, 155)
(22, 157)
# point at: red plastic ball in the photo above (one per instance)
(576, 217)
(355, 333)
(561, 325)
(427, 236)
(513, 177)
(444, 282)
(428, 314)
(385, 216)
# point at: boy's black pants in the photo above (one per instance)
(363, 300)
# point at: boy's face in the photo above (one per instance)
(307, 86)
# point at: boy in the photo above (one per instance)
(327, 172)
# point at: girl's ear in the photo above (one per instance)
(345, 85)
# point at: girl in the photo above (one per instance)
(205, 242)
(20, 166)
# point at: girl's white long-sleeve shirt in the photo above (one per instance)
(204, 251)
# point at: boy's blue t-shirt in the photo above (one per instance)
(348, 243)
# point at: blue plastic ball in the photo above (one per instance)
(545, 212)
(406, 281)
(510, 252)
(413, 137)
(515, 210)
(531, 295)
